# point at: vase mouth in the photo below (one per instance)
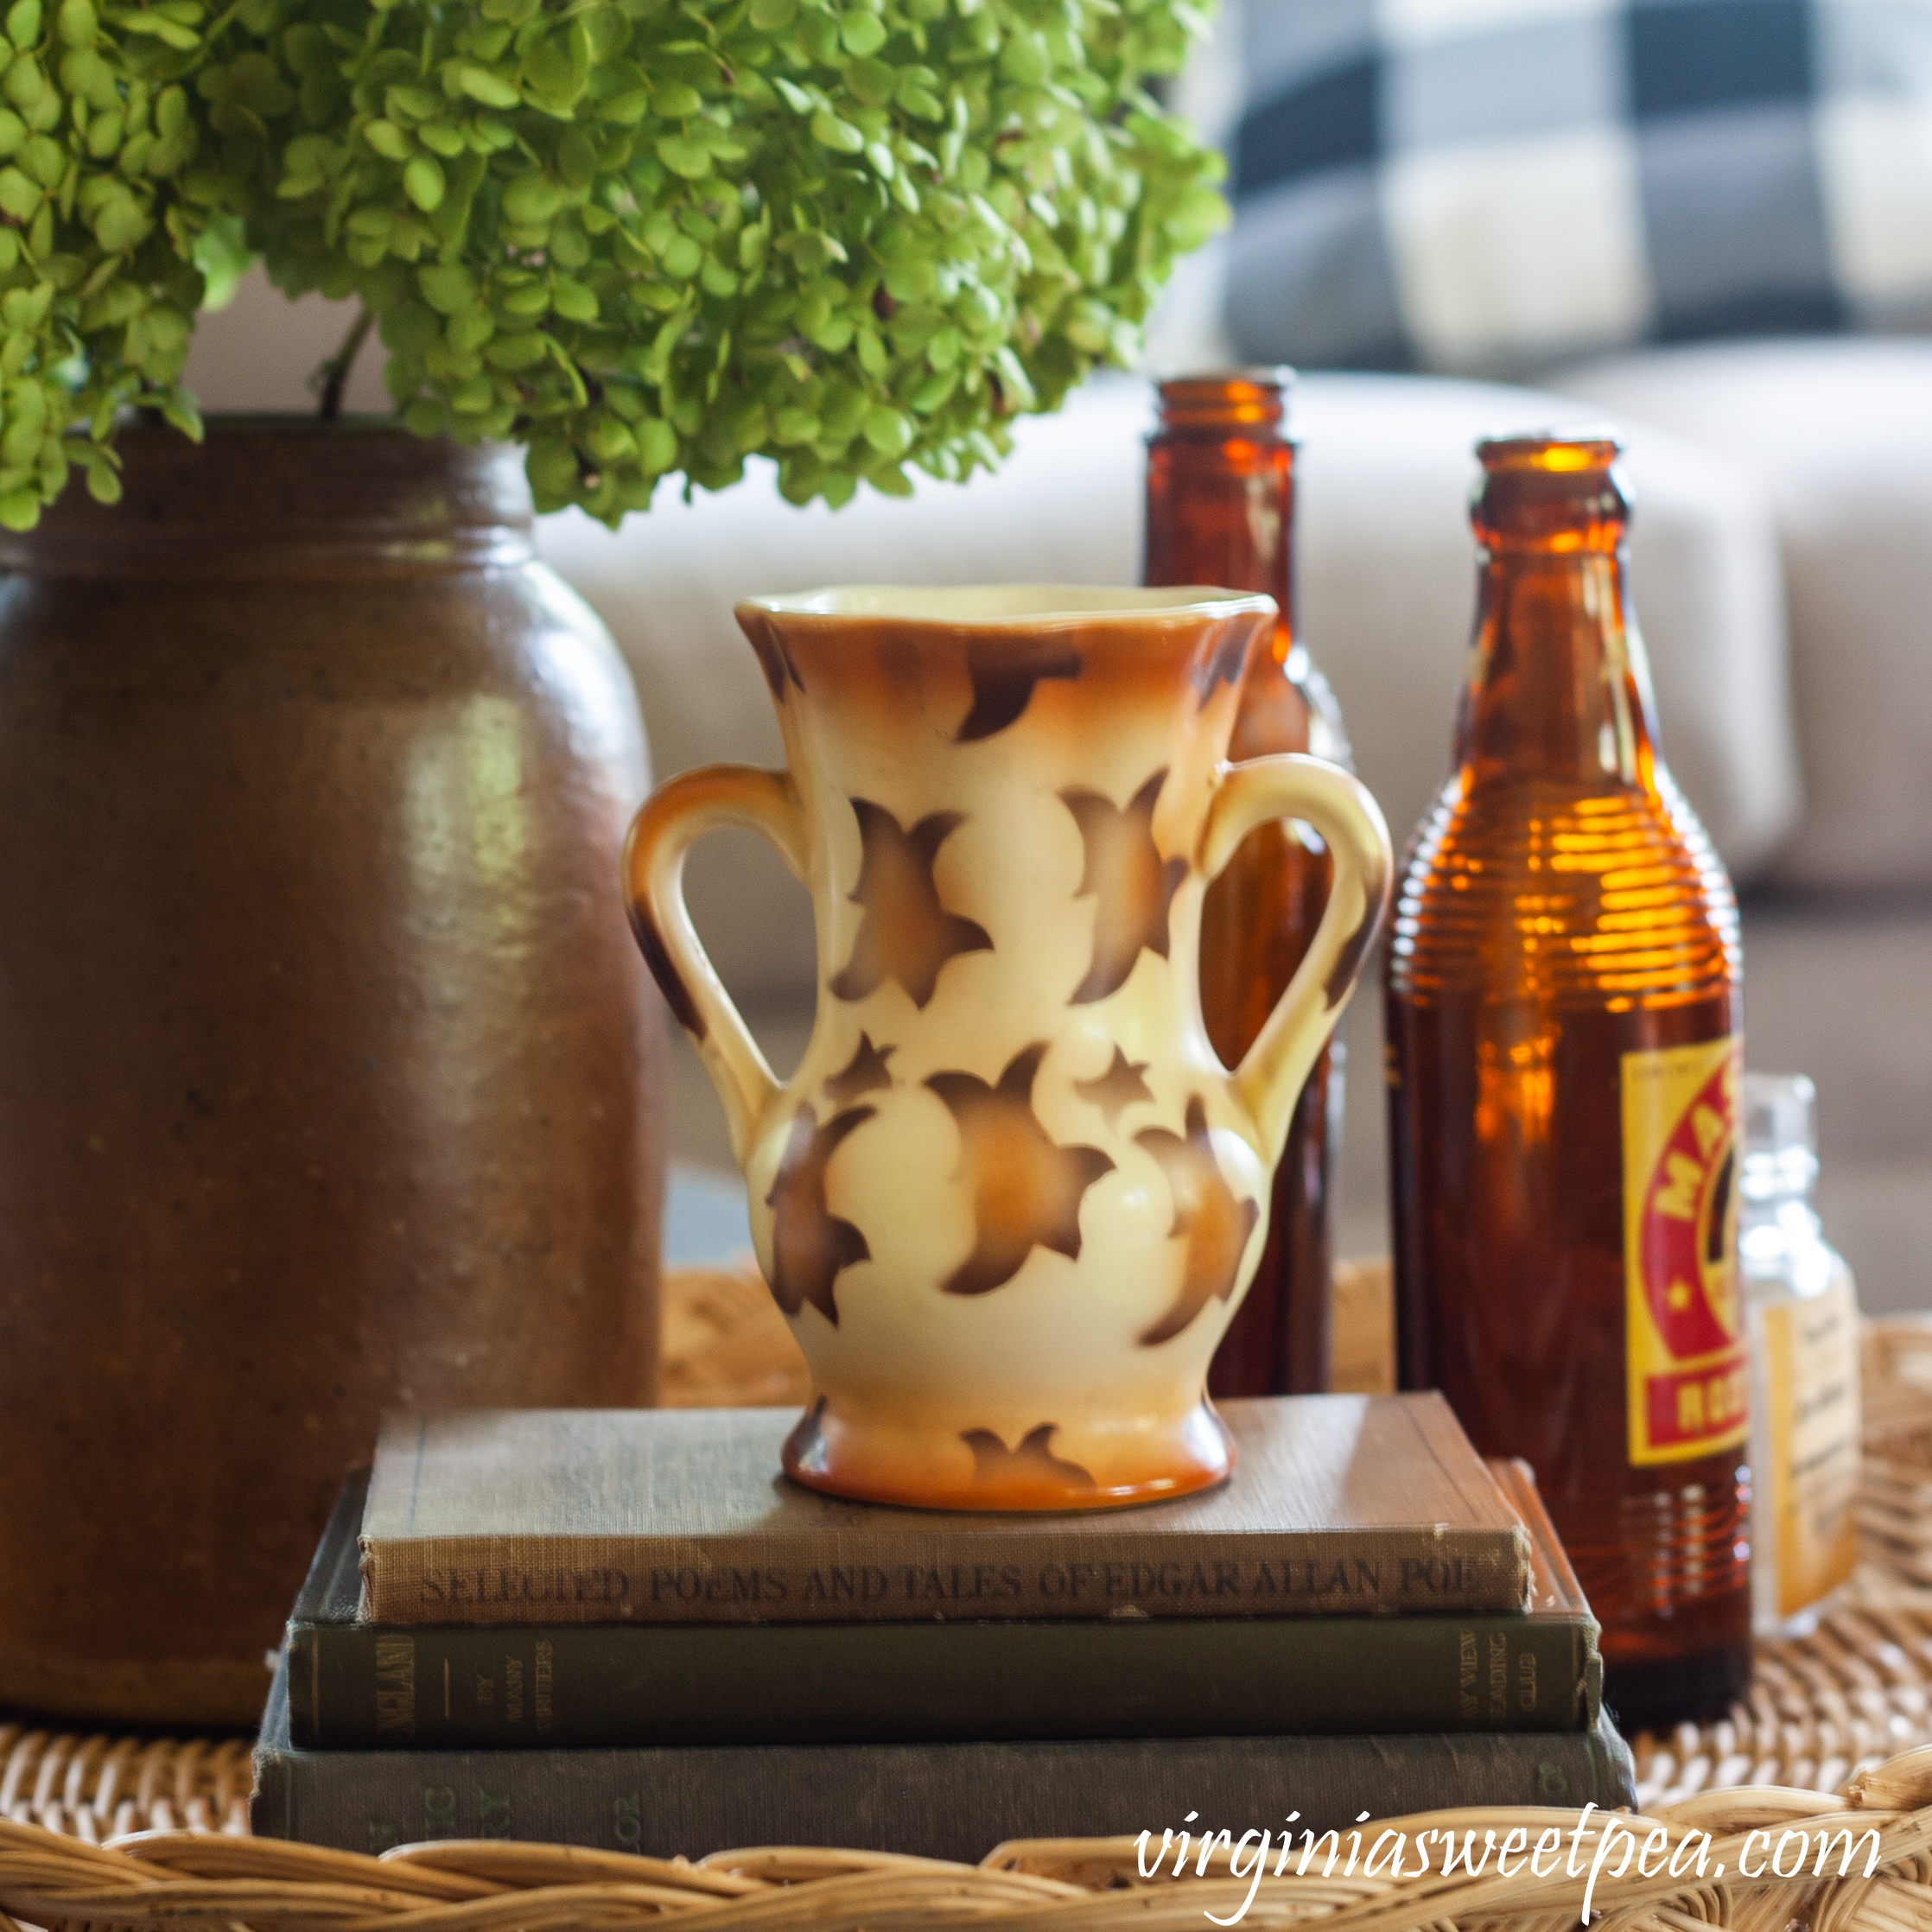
(1013, 607)
(272, 496)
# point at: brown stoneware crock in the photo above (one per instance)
(329, 1075)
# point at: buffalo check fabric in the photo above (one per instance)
(1494, 185)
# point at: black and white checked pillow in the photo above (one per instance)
(1496, 184)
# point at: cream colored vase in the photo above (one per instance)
(1010, 1199)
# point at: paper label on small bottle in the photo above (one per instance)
(1687, 1371)
(1811, 1384)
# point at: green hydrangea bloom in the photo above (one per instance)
(640, 237)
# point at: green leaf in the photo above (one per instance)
(517, 351)
(888, 430)
(482, 85)
(657, 444)
(121, 223)
(422, 182)
(830, 131)
(20, 509)
(549, 70)
(690, 159)
(388, 140)
(861, 32)
(626, 109)
(1203, 211)
(179, 411)
(1024, 59)
(45, 160)
(24, 83)
(1018, 385)
(446, 289)
(531, 200)
(19, 197)
(573, 300)
(412, 104)
(152, 21)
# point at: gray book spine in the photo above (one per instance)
(946, 1801)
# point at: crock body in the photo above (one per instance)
(328, 1076)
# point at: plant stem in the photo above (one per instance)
(336, 372)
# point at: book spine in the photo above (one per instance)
(920, 1573)
(946, 1801)
(360, 1686)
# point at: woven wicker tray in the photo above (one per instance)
(1834, 1735)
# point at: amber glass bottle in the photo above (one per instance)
(1563, 1047)
(1221, 511)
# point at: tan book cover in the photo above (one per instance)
(1339, 1504)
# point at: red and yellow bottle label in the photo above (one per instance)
(1685, 1352)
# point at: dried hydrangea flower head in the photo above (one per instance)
(642, 237)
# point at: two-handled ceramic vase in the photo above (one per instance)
(1010, 1199)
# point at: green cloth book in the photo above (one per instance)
(950, 1801)
(360, 1686)
(1339, 1504)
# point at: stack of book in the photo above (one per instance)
(625, 1630)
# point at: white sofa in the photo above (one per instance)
(1782, 565)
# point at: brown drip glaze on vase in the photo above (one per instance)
(327, 1071)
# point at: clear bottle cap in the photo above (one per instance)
(1780, 1138)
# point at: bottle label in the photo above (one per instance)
(1685, 1360)
(1811, 1385)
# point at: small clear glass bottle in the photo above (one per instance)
(1802, 1316)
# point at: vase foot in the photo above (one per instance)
(887, 1460)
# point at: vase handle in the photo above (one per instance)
(673, 818)
(1339, 806)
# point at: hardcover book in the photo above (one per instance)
(950, 1801)
(1339, 1505)
(363, 1686)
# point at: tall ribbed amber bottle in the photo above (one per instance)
(1563, 1055)
(1221, 511)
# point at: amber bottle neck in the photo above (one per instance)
(1558, 688)
(1220, 503)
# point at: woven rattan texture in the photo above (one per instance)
(153, 1834)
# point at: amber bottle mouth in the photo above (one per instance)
(1559, 452)
(1554, 491)
(1223, 399)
